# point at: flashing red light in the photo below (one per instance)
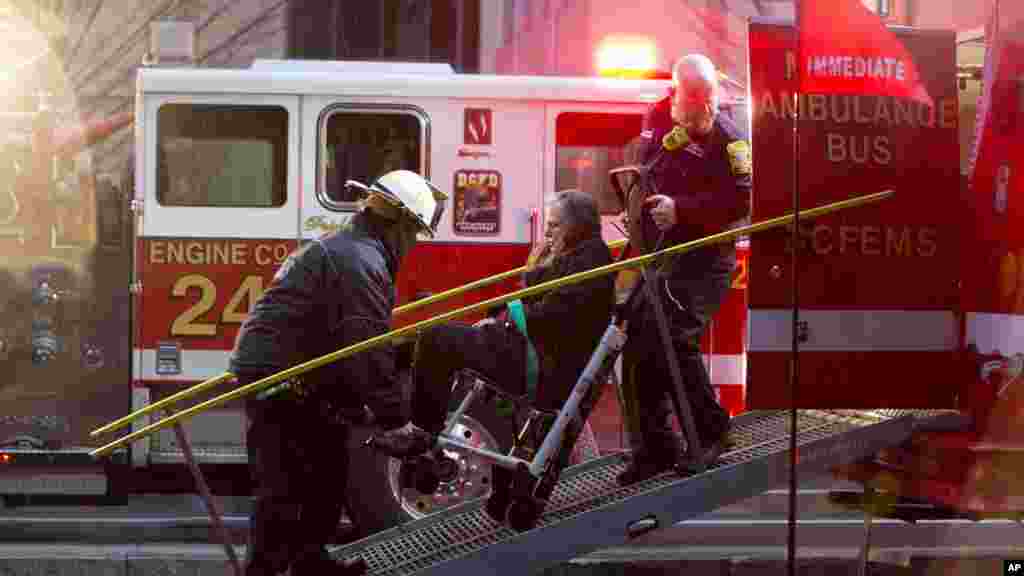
(6, 458)
(627, 56)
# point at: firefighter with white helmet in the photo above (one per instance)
(332, 292)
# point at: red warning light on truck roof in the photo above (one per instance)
(627, 56)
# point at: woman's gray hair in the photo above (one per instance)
(579, 211)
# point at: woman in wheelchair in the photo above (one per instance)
(534, 349)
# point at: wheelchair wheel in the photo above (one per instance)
(446, 468)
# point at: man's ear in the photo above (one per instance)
(383, 208)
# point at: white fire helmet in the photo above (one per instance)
(410, 193)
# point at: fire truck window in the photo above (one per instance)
(588, 145)
(222, 155)
(362, 146)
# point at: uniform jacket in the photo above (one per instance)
(709, 180)
(332, 292)
(565, 325)
(656, 123)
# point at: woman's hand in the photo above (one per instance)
(540, 255)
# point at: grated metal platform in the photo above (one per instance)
(589, 511)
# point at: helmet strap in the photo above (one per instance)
(383, 208)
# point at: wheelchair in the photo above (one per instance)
(525, 477)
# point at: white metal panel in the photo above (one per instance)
(380, 85)
(217, 430)
(855, 330)
(196, 365)
(138, 225)
(218, 222)
(1003, 333)
(726, 368)
(515, 154)
(64, 484)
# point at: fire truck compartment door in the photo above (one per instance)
(220, 214)
(879, 291)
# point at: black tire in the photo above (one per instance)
(371, 502)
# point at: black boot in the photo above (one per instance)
(712, 445)
(657, 456)
(272, 529)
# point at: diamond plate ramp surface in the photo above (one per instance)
(589, 511)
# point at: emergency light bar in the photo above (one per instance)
(629, 57)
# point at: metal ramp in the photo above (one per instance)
(589, 511)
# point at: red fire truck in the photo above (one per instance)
(232, 169)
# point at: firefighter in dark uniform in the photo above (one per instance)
(332, 292)
(699, 184)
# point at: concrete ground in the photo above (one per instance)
(170, 535)
(208, 560)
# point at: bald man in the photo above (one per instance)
(700, 184)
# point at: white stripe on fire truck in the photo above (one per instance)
(195, 365)
(726, 368)
(203, 364)
(854, 330)
(992, 332)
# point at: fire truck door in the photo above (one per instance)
(486, 155)
(879, 285)
(994, 255)
(220, 214)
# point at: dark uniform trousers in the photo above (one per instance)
(496, 351)
(689, 306)
(298, 458)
